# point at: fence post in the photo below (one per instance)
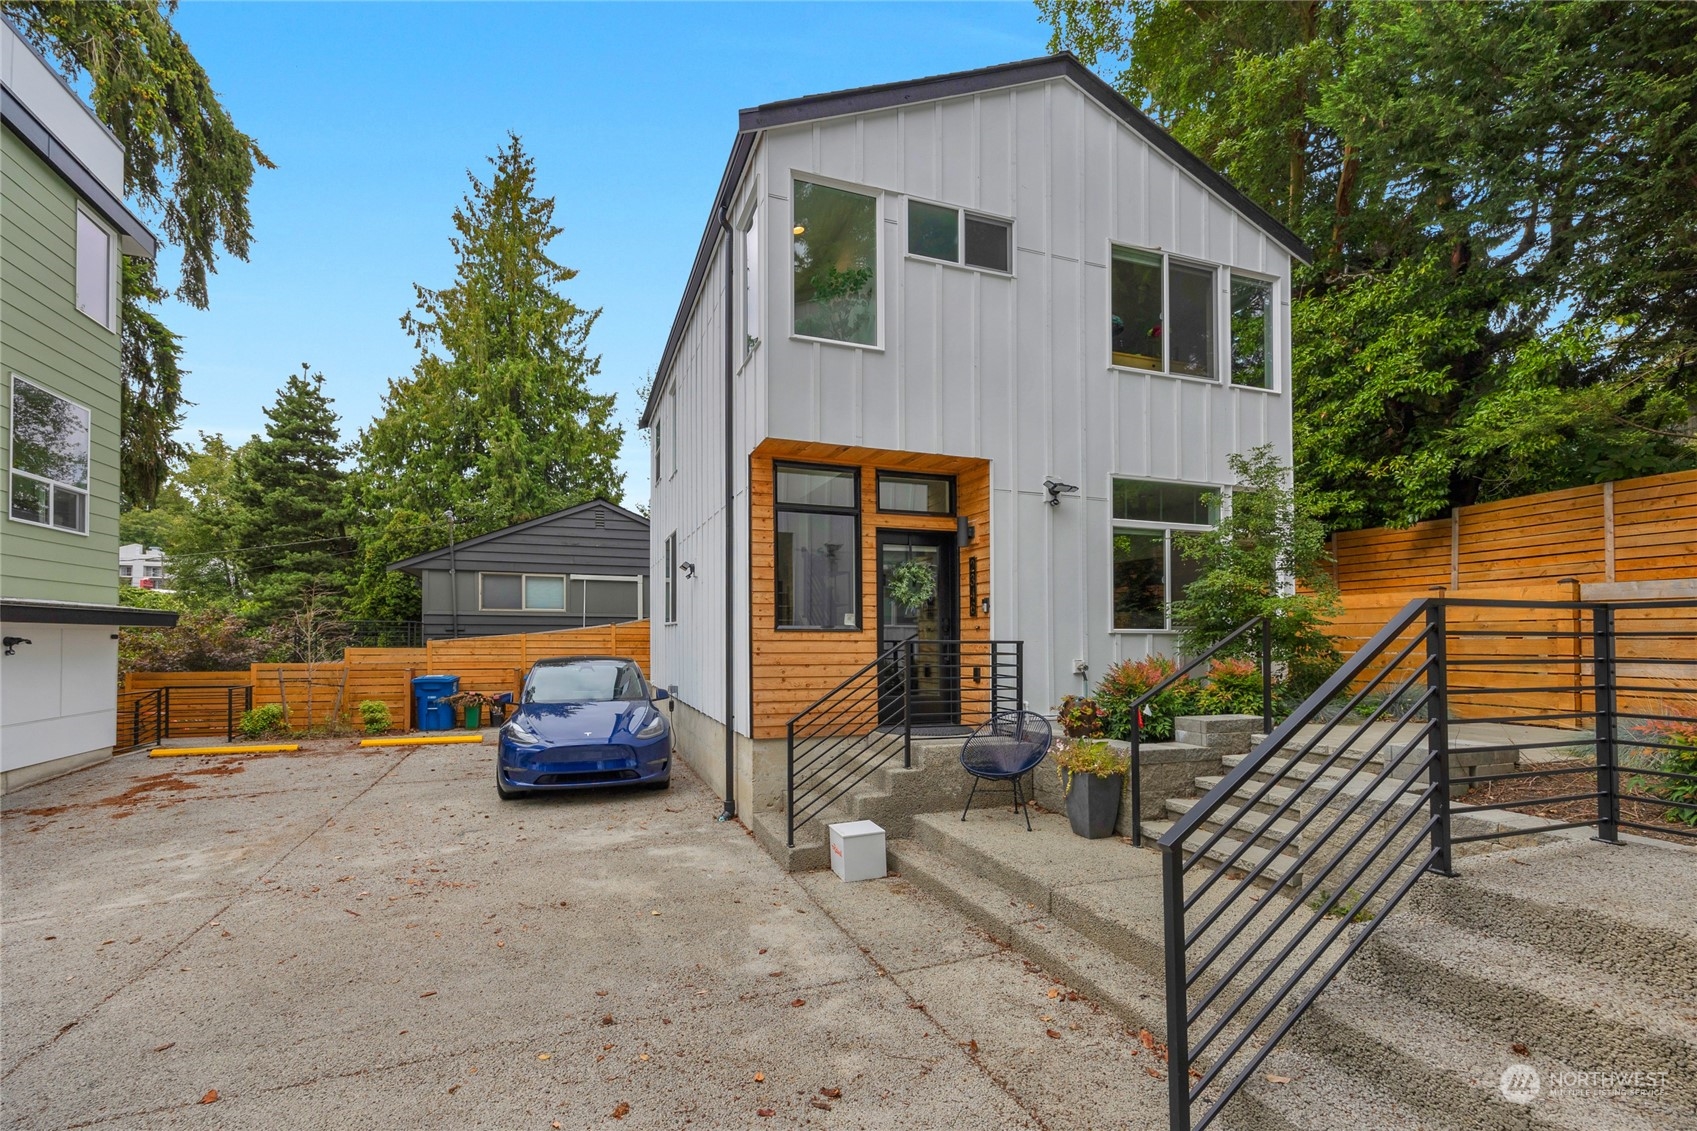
(1266, 674)
(1136, 768)
(789, 788)
(906, 673)
(1603, 674)
(164, 723)
(1178, 1000)
(229, 714)
(135, 721)
(1438, 736)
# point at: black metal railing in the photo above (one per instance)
(1275, 878)
(141, 719)
(870, 719)
(1227, 645)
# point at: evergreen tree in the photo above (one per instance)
(497, 420)
(184, 160)
(1501, 197)
(288, 525)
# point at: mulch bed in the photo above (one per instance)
(1530, 790)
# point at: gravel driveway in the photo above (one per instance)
(348, 938)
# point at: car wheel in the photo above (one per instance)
(502, 791)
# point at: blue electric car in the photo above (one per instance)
(584, 722)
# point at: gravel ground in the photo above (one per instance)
(346, 938)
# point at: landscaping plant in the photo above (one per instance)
(266, 719)
(1081, 717)
(374, 716)
(1088, 756)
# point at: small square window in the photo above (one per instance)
(502, 591)
(544, 592)
(933, 231)
(988, 244)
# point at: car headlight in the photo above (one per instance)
(521, 734)
(654, 727)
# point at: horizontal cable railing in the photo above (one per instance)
(141, 719)
(1571, 714)
(870, 718)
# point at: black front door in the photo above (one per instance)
(930, 672)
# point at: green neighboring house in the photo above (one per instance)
(63, 228)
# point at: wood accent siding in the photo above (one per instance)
(793, 667)
(1631, 530)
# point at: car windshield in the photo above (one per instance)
(584, 681)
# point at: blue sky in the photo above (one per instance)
(374, 112)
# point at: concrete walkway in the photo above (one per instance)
(346, 938)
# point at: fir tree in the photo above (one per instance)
(497, 420)
(289, 522)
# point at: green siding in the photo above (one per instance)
(44, 338)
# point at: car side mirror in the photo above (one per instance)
(660, 695)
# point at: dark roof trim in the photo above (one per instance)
(417, 560)
(866, 99)
(136, 239)
(74, 612)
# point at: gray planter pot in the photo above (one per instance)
(1093, 804)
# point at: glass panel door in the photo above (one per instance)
(910, 562)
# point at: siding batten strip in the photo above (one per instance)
(1609, 531)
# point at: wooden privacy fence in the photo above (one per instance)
(321, 694)
(1633, 531)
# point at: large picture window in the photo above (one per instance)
(1252, 332)
(1149, 572)
(836, 264)
(1162, 314)
(817, 555)
(50, 438)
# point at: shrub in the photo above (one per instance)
(1081, 717)
(374, 716)
(1677, 756)
(265, 719)
(1234, 688)
(1088, 756)
(1127, 680)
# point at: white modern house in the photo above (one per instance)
(142, 566)
(63, 228)
(997, 323)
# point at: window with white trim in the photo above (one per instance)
(751, 282)
(1161, 314)
(97, 291)
(49, 457)
(672, 437)
(586, 596)
(835, 263)
(1251, 332)
(954, 235)
(1149, 573)
(672, 578)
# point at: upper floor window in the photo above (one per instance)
(1252, 332)
(751, 282)
(96, 279)
(671, 603)
(1149, 572)
(836, 264)
(50, 437)
(951, 235)
(1162, 314)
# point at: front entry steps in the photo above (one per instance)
(890, 795)
(1583, 955)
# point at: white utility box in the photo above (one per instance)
(857, 851)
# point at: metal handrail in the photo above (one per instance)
(1135, 770)
(860, 725)
(1383, 829)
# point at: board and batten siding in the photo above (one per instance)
(46, 340)
(1015, 368)
(688, 499)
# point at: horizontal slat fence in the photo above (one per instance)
(319, 694)
(1635, 530)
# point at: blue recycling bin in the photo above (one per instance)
(428, 692)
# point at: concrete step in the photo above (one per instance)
(812, 849)
(1310, 792)
(1316, 1091)
(1280, 867)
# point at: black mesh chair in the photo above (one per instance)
(1006, 748)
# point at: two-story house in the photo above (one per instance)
(63, 228)
(993, 329)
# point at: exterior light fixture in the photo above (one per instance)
(688, 569)
(799, 230)
(1056, 489)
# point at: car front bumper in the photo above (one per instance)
(546, 767)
